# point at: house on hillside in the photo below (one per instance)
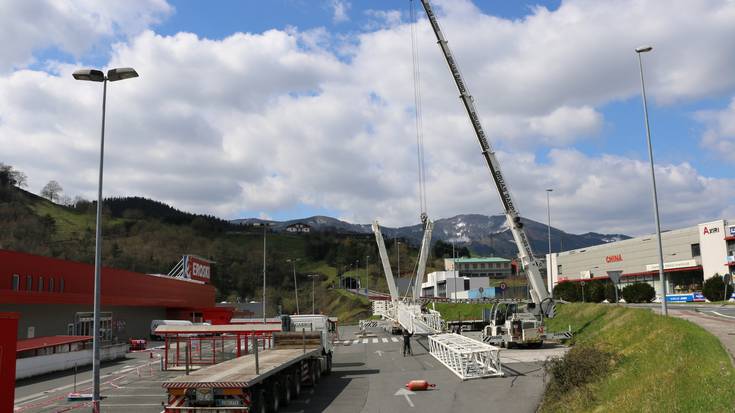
(298, 228)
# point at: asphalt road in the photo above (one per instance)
(366, 376)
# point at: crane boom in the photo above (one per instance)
(423, 255)
(386, 264)
(542, 299)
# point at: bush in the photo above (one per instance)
(714, 288)
(568, 291)
(610, 292)
(639, 293)
(582, 364)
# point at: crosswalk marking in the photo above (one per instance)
(385, 340)
(356, 341)
(393, 339)
(364, 341)
(375, 341)
(346, 342)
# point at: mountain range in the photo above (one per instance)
(482, 234)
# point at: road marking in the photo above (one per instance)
(385, 340)
(721, 315)
(379, 353)
(356, 341)
(346, 342)
(393, 339)
(405, 393)
(375, 341)
(364, 341)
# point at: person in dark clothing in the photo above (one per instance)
(407, 343)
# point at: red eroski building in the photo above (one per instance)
(55, 297)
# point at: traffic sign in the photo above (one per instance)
(581, 283)
(503, 286)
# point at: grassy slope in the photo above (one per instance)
(664, 364)
(453, 311)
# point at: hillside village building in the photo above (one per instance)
(691, 255)
(491, 267)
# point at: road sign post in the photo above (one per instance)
(615, 278)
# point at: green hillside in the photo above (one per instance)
(148, 236)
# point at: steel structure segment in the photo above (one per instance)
(465, 357)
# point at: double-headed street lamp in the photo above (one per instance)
(94, 75)
(661, 274)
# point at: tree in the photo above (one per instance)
(52, 191)
(639, 293)
(10, 176)
(714, 288)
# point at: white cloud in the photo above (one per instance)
(339, 10)
(265, 122)
(71, 26)
(719, 137)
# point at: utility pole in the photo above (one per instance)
(548, 260)
(454, 268)
(295, 285)
(264, 232)
(367, 276)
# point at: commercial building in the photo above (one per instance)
(55, 297)
(490, 267)
(691, 255)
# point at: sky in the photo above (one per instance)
(290, 108)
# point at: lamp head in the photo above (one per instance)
(643, 49)
(121, 73)
(92, 75)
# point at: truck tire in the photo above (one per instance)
(258, 401)
(296, 385)
(286, 390)
(318, 369)
(328, 370)
(272, 397)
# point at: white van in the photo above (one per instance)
(156, 323)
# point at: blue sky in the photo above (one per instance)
(310, 111)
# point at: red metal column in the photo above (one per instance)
(8, 339)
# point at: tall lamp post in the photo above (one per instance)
(94, 75)
(367, 277)
(264, 232)
(295, 286)
(548, 260)
(312, 276)
(661, 274)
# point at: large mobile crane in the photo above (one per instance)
(543, 305)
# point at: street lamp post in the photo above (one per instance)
(548, 260)
(295, 286)
(94, 75)
(264, 231)
(367, 277)
(661, 273)
(313, 276)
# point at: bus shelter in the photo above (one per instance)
(193, 346)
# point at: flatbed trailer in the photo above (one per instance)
(258, 382)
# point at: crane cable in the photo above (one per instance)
(418, 114)
(419, 123)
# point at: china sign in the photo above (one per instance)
(614, 258)
(196, 268)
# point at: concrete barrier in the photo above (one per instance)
(34, 366)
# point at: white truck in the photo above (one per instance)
(260, 381)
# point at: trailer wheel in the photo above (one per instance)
(259, 403)
(286, 393)
(318, 369)
(313, 378)
(296, 384)
(328, 370)
(273, 397)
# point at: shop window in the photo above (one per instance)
(16, 282)
(695, 250)
(61, 285)
(29, 282)
(51, 284)
(558, 269)
(40, 284)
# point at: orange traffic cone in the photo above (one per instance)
(414, 385)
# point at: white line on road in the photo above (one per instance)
(393, 339)
(375, 341)
(385, 340)
(364, 341)
(346, 342)
(721, 315)
(356, 341)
